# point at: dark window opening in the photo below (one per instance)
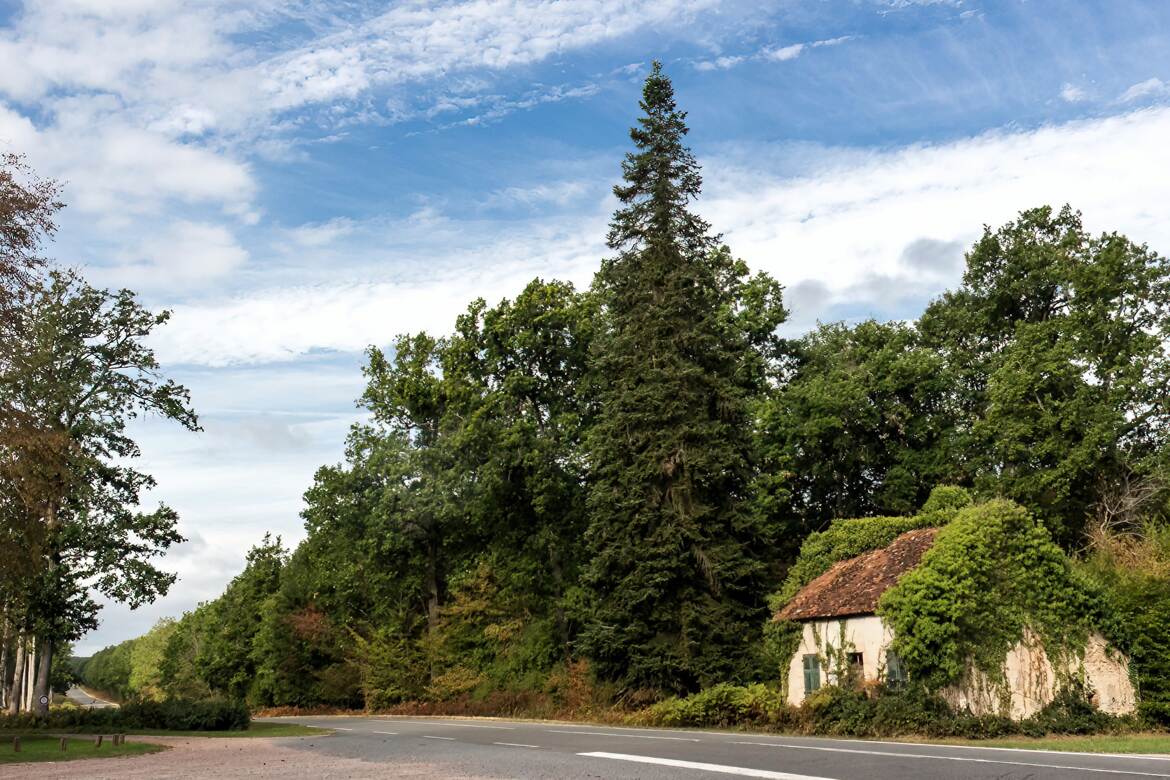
(812, 673)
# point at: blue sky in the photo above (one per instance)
(298, 180)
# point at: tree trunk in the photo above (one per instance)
(30, 676)
(4, 680)
(41, 691)
(17, 689)
(432, 590)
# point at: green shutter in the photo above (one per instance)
(812, 673)
(895, 671)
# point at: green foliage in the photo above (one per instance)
(864, 426)
(1133, 572)
(878, 712)
(678, 557)
(992, 574)
(226, 659)
(1057, 339)
(172, 715)
(108, 670)
(721, 706)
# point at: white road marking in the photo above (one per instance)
(515, 744)
(889, 754)
(340, 728)
(449, 739)
(1151, 757)
(623, 736)
(464, 725)
(391, 733)
(742, 771)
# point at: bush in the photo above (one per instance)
(170, 715)
(720, 706)
(879, 711)
(839, 711)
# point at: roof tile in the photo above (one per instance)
(853, 586)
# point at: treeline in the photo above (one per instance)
(588, 495)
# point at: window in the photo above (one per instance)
(812, 673)
(895, 670)
(856, 667)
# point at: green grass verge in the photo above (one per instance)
(254, 730)
(49, 749)
(1104, 743)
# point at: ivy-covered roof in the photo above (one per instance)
(853, 586)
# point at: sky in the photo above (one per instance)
(299, 180)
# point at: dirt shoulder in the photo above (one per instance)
(219, 758)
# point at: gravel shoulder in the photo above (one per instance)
(220, 758)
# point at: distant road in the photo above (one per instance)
(518, 749)
(79, 696)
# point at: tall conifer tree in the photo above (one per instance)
(674, 585)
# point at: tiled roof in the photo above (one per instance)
(853, 587)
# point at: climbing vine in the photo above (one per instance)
(993, 576)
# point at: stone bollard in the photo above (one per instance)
(97, 743)
(63, 744)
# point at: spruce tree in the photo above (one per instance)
(674, 588)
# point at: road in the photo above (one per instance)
(80, 697)
(519, 749)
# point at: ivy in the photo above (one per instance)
(993, 574)
(846, 539)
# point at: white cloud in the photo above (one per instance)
(1150, 88)
(322, 233)
(719, 63)
(784, 53)
(854, 223)
(1071, 93)
(184, 256)
(559, 193)
(873, 231)
(416, 41)
(114, 169)
(769, 54)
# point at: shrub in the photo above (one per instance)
(838, 711)
(170, 715)
(720, 706)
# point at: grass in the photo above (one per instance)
(1101, 743)
(254, 730)
(79, 747)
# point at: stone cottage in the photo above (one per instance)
(842, 634)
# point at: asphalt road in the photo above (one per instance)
(80, 697)
(517, 749)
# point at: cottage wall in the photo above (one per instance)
(866, 634)
(1033, 680)
(1031, 676)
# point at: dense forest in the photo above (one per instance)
(603, 493)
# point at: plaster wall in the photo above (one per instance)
(1033, 680)
(1031, 676)
(866, 634)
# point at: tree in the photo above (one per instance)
(676, 577)
(1057, 339)
(863, 427)
(227, 661)
(28, 206)
(78, 374)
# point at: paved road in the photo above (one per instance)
(516, 749)
(84, 699)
